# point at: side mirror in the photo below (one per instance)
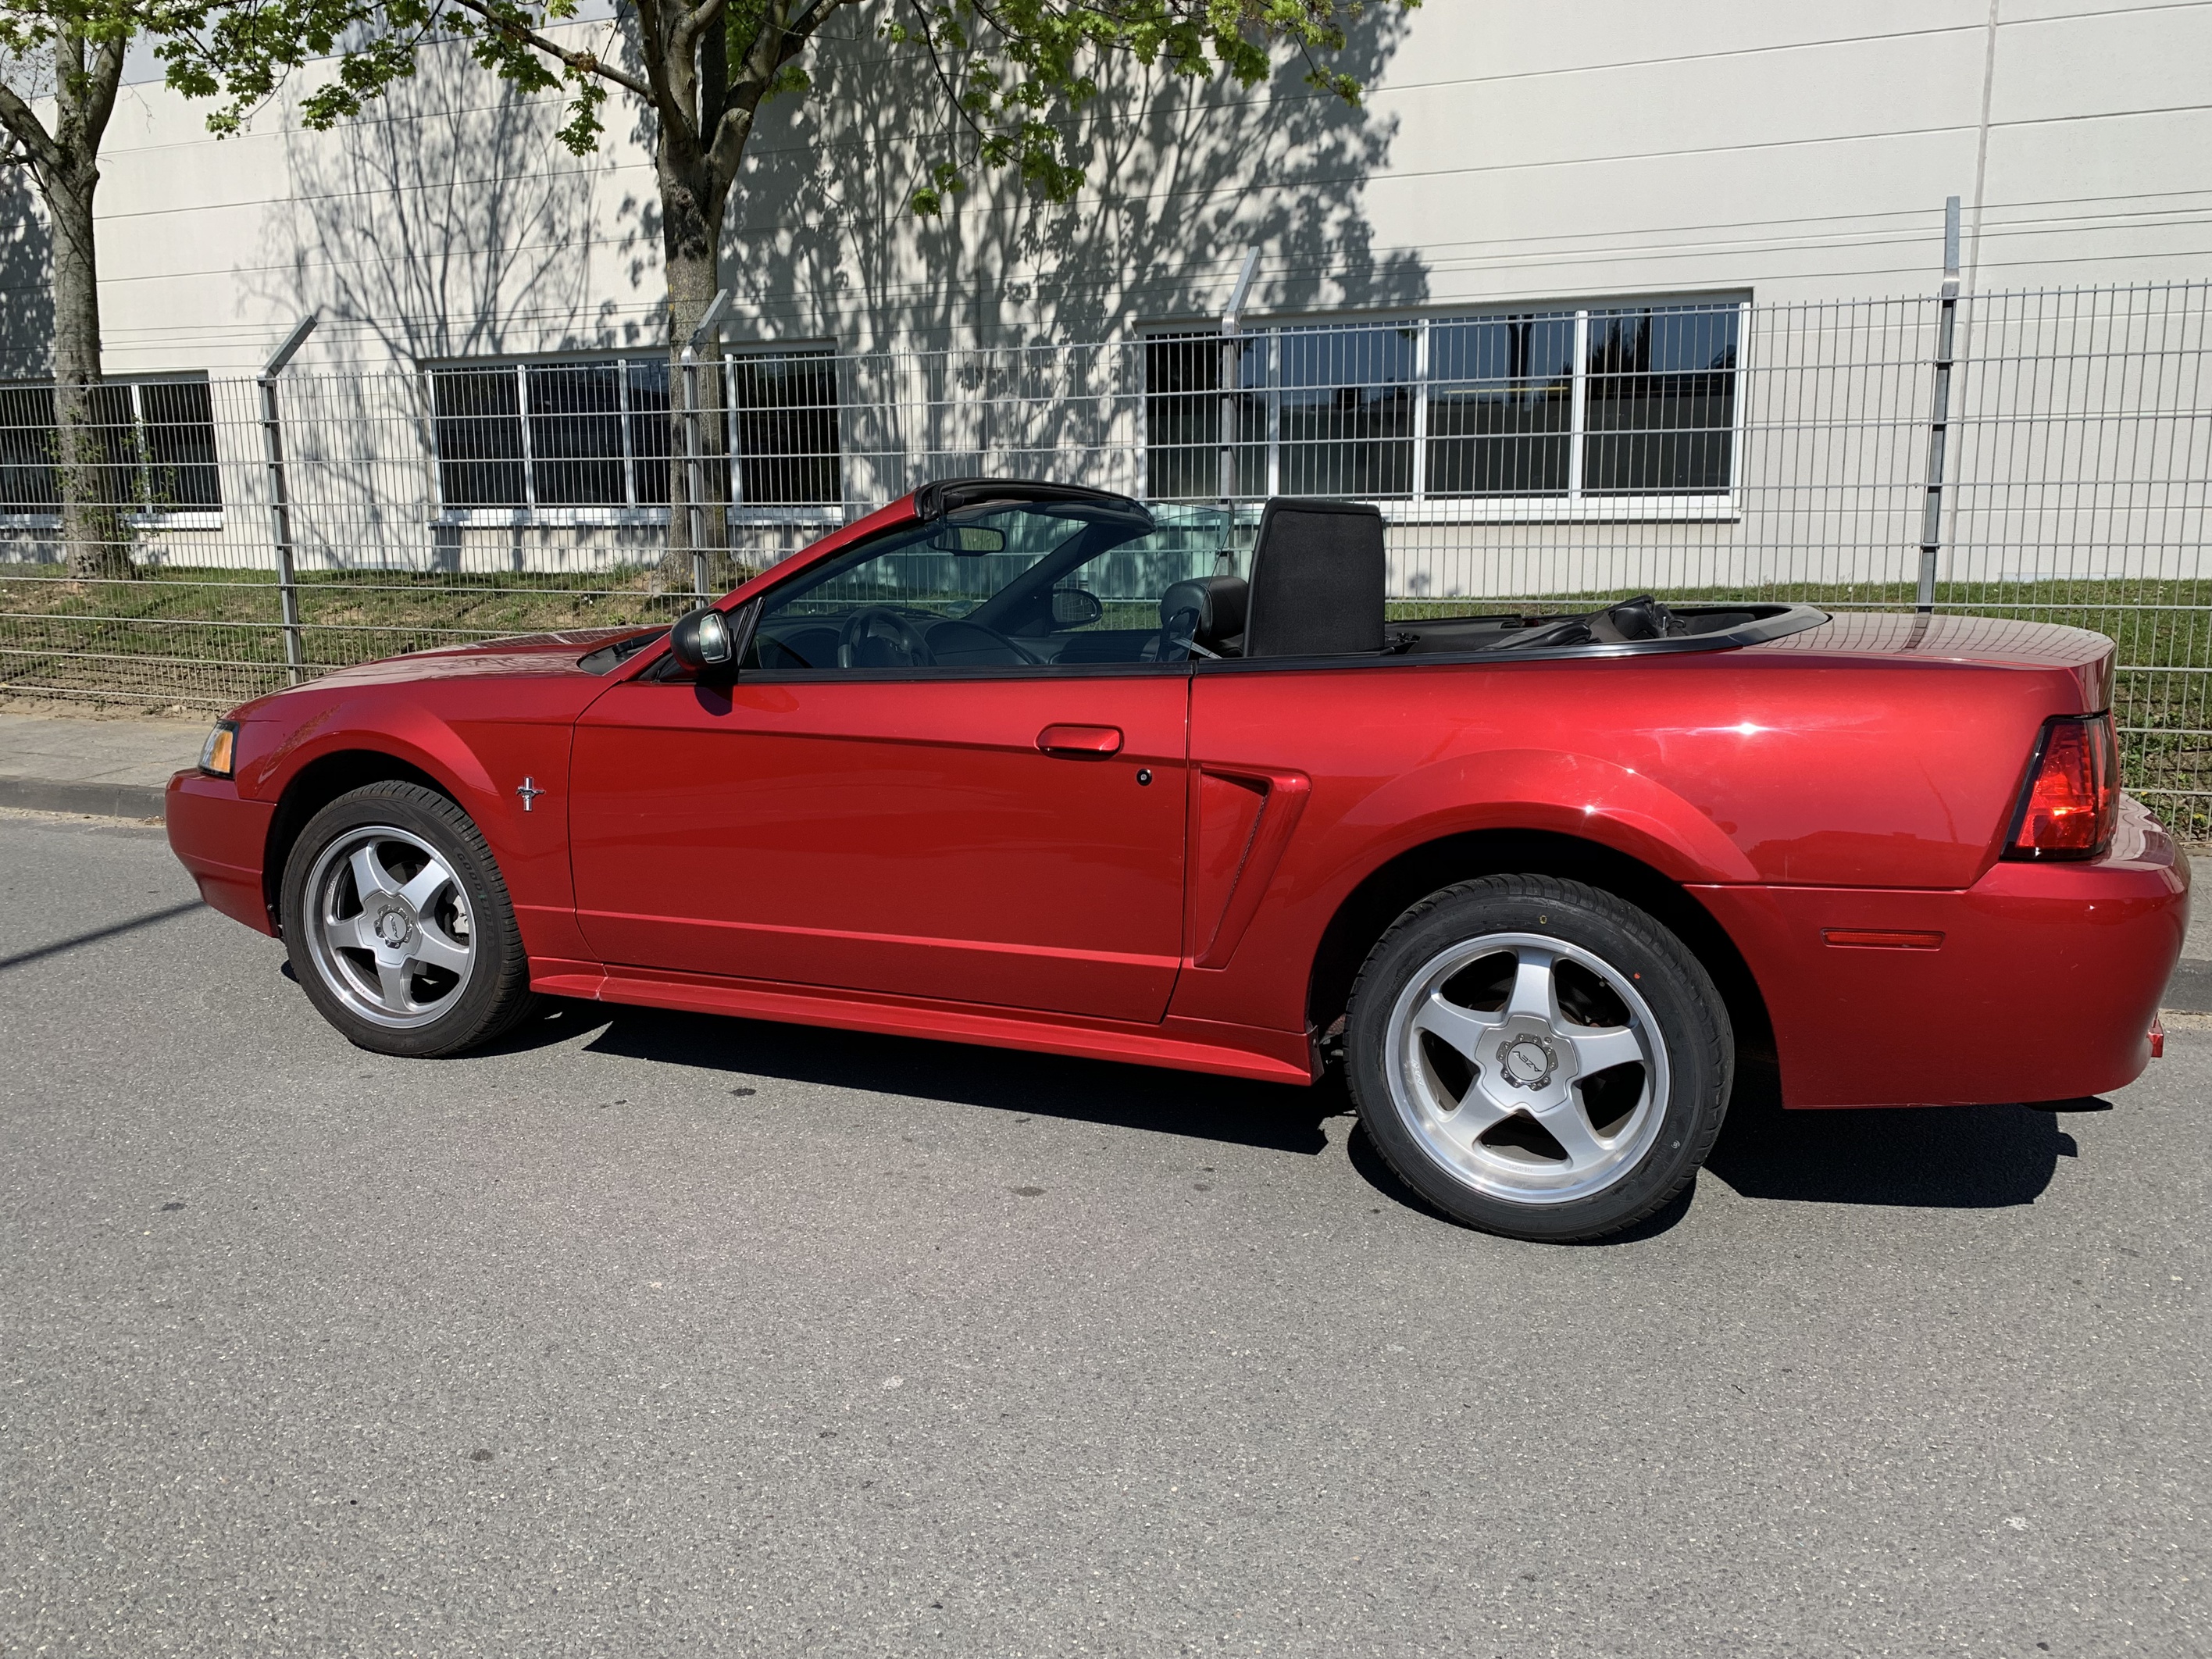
(1075, 607)
(702, 642)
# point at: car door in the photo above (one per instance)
(1007, 833)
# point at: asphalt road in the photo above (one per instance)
(658, 1334)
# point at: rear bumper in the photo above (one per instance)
(2045, 985)
(220, 837)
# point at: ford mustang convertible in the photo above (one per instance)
(1036, 766)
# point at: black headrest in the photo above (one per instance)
(1317, 581)
(1208, 611)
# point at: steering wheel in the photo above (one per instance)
(880, 623)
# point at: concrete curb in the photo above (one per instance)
(105, 800)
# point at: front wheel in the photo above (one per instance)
(399, 927)
(1538, 1058)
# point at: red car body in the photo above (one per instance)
(1822, 818)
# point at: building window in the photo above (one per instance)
(579, 438)
(1620, 409)
(154, 448)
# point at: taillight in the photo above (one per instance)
(2073, 795)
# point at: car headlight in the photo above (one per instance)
(219, 753)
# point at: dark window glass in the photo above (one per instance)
(576, 416)
(784, 448)
(648, 428)
(178, 422)
(27, 484)
(1660, 401)
(1501, 407)
(576, 433)
(151, 447)
(1183, 417)
(479, 422)
(1347, 411)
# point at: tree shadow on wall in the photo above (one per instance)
(1182, 177)
(447, 222)
(27, 294)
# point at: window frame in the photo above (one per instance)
(145, 517)
(532, 514)
(1576, 504)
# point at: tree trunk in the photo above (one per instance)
(691, 202)
(93, 466)
(95, 527)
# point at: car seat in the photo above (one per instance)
(1205, 613)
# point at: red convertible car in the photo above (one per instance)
(1029, 765)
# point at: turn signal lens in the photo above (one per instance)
(216, 753)
(2073, 795)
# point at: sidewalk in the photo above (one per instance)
(113, 768)
(118, 768)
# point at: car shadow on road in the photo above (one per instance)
(1946, 1156)
(1960, 1157)
(1968, 1157)
(1273, 1117)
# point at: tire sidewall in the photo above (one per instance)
(479, 1010)
(1686, 1007)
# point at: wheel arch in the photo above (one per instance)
(314, 787)
(1394, 886)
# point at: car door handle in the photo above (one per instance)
(1079, 740)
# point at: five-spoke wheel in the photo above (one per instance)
(1529, 1066)
(399, 927)
(1536, 1057)
(389, 928)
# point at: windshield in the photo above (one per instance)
(998, 584)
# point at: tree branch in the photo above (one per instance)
(24, 126)
(772, 47)
(584, 62)
(663, 97)
(105, 76)
(683, 38)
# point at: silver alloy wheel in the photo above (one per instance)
(1528, 1062)
(388, 927)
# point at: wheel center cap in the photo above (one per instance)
(1527, 1061)
(394, 927)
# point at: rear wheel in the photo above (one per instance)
(1538, 1058)
(399, 927)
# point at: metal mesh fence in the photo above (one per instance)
(229, 536)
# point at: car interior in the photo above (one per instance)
(1007, 575)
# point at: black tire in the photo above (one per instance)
(484, 998)
(1505, 1178)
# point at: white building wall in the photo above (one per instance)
(1578, 153)
(1507, 154)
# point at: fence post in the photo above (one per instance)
(693, 460)
(1232, 320)
(1939, 420)
(279, 500)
